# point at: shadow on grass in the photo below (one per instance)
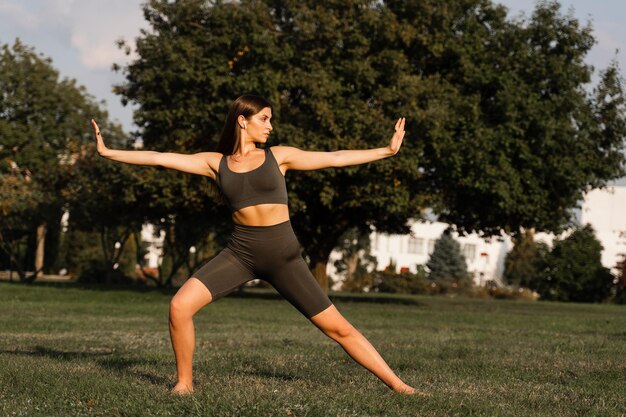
(126, 366)
(93, 287)
(269, 294)
(104, 359)
(247, 292)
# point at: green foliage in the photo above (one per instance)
(522, 138)
(128, 257)
(523, 262)
(107, 201)
(78, 251)
(390, 281)
(573, 270)
(446, 266)
(20, 198)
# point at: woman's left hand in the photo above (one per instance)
(398, 135)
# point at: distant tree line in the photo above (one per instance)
(569, 271)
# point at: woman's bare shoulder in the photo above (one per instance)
(212, 159)
(280, 152)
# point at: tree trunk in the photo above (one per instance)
(318, 259)
(319, 272)
(351, 264)
(41, 239)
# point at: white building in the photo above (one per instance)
(485, 258)
(155, 245)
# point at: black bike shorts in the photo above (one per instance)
(270, 253)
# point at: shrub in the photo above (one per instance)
(573, 270)
(522, 263)
(389, 281)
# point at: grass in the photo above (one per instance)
(67, 351)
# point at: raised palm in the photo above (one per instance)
(99, 142)
(398, 135)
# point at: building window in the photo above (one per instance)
(469, 251)
(416, 245)
(431, 246)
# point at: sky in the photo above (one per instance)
(80, 36)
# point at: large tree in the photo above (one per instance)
(516, 139)
(43, 122)
(501, 131)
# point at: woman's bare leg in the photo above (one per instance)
(335, 326)
(189, 299)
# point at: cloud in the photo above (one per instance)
(18, 15)
(101, 25)
(92, 28)
(96, 54)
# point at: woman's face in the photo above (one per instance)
(258, 126)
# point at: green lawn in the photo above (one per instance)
(67, 351)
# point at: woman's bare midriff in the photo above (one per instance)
(262, 215)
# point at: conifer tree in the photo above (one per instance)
(447, 264)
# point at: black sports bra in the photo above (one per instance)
(262, 185)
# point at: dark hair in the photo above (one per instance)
(247, 105)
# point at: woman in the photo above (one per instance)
(263, 244)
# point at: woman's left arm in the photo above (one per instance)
(294, 158)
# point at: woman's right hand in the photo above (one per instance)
(99, 142)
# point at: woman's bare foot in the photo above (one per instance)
(409, 390)
(182, 389)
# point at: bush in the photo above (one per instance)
(524, 260)
(389, 281)
(97, 272)
(360, 281)
(573, 270)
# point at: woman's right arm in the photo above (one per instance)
(203, 163)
